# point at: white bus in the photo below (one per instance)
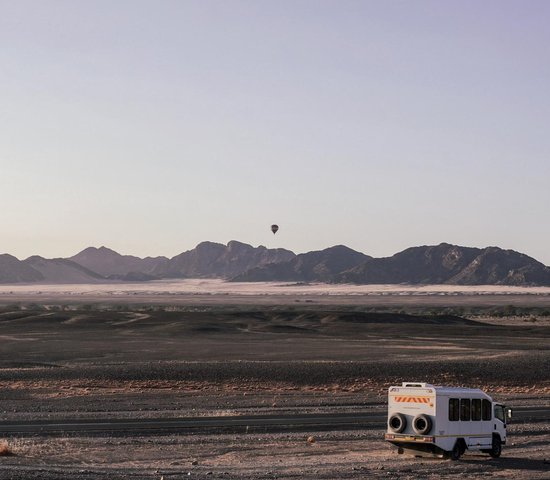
(445, 421)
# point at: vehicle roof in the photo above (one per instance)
(458, 390)
(442, 390)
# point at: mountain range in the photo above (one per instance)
(240, 262)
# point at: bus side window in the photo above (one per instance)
(453, 409)
(464, 409)
(476, 409)
(486, 408)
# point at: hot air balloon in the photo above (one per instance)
(274, 228)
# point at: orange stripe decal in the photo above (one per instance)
(426, 400)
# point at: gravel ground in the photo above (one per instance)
(333, 454)
(126, 364)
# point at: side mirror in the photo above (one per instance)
(508, 413)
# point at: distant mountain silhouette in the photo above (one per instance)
(505, 267)
(436, 264)
(60, 270)
(109, 263)
(213, 260)
(318, 266)
(206, 260)
(450, 264)
(13, 270)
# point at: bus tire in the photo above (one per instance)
(422, 424)
(397, 422)
(457, 451)
(496, 448)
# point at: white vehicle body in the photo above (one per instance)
(444, 420)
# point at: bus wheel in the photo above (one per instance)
(456, 452)
(496, 448)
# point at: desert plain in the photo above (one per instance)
(207, 348)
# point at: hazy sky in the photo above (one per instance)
(149, 126)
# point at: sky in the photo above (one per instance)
(150, 126)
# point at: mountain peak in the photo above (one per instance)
(106, 261)
(13, 270)
(451, 264)
(320, 266)
(210, 259)
(103, 250)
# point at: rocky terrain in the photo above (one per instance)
(341, 454)
(113, 362)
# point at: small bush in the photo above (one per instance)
(5, 449)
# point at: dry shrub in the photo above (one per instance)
(5, 449)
